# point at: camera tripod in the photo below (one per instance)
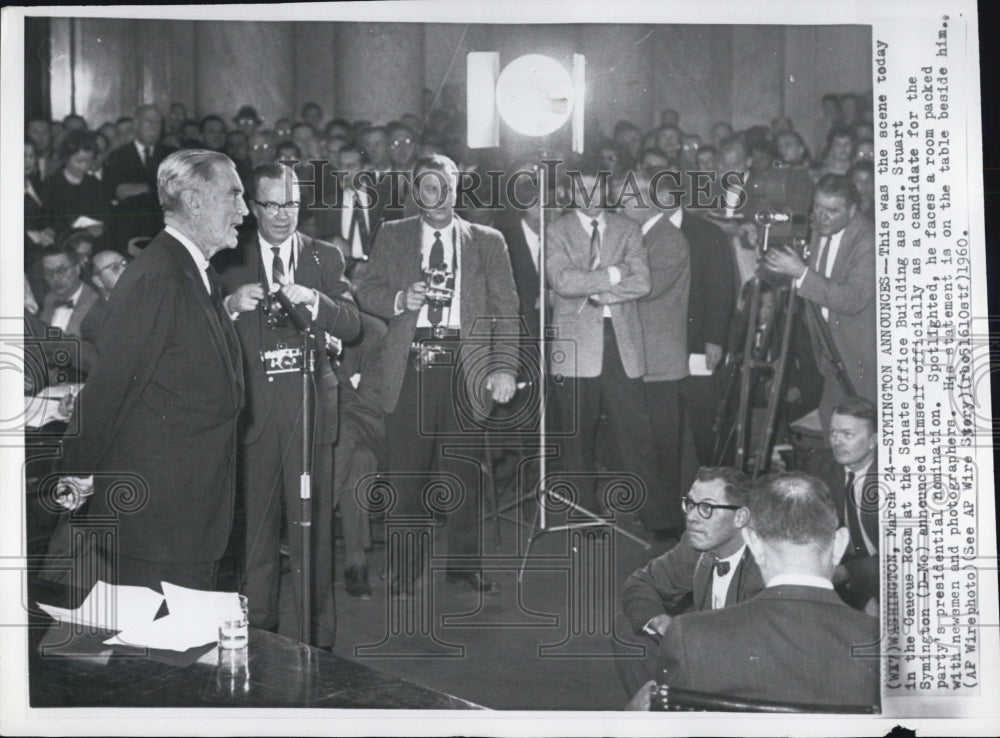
(764, 356)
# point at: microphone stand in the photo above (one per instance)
(305, 478)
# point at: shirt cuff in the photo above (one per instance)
(615, 275)
(314, 308)
(399, 307)
(233, 314)
(801, 278)
(649, 629)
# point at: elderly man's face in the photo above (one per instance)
(831, 213)
(276, 227)
(62, 274)
(221, 210)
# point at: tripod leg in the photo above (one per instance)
(746, 375)
(763, 458)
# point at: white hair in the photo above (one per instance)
(180, 170)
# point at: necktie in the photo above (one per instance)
(824, 253)
(147, 157)
(595, 245)
(277, 267)
(852, 518)
(67, 303)
(359, 227)
(436, 261)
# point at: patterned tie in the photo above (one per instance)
(277, 267)
(595, 254)
(436, 261)
(852, 518)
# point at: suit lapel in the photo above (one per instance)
(702, 584)
(468, 265)
(846, 246)
(736, 583)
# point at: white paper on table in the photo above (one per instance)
(172, 633)
(697, 367)
(196, 603)
(111, 607)
(39, 411)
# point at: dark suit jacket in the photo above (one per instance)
(161, 404)
(318, 265)
(139, 215)
(89, 302)
(862, 569)
(488, 303)
(524, 269)
(849, 293)
(681, 579)
(663, 312)
(580, 348)
(710, 301)
(789, 644)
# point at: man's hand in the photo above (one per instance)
(784, 260)
(300, 295)
(749, 233)
(246, 297)
(658, 623)
(502, 386)
(642, 699)
(713, 355)
(871, 607)
(416, 294)
(71, 492)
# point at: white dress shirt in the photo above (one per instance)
(856, 495)
(62, 315)
(346, 215)
(720, 582)
(801, 580)
(451, 317)
(196, 254)
(648, 225)
(677, 218)
(286, 251)
(832, 246)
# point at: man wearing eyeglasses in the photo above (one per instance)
(709, 569)
(68, 302)
(311, 274)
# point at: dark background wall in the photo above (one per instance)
(103, 68)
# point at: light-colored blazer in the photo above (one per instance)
(579, 346)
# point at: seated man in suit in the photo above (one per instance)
(796, 641)
(850, 470)
(710, 568)
(68, 302)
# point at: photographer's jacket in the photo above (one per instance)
(488, 302)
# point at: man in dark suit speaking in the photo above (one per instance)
(311, 274)
(157, 417)
(796, 641)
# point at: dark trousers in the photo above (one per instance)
(271, 468)
(579, 401)
(417, 435)
(353, 460)
(664, 402)
(699, 401)
(633, 670)
(139, 573)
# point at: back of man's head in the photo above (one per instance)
(793, 525)
(182, 169)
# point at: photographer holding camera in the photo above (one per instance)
(310, 274)
(446, 289)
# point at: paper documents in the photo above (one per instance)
(697, 367)
(110, 607)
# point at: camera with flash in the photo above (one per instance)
(440, 286)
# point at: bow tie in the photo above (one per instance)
(67, 303)
(721, 567)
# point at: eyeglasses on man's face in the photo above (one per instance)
(116, 266)
(705, 509)
(272, 208)
(57, 272)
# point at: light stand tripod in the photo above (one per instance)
(540, 524)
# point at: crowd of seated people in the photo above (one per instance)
(647, 292)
